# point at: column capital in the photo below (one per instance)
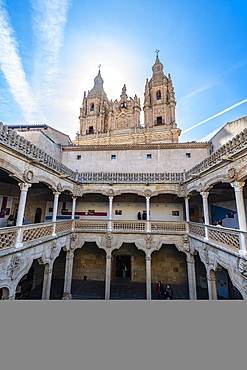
(56, 194)
(108, 256)
(110, 198)
(74, 197)
(211, 278)
(190, 258)
(48, 271)
(148, 258)
(147, 198)
(238, 185)
(204, 194)
(70, 254)
(187, 197)
(24, 186)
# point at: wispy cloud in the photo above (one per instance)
(49, 20)
(13, 71)
(209, 136)
(216, 115)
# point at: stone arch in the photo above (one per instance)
(10, 168)
(165, 191)
(46, 180)
(194, 187)
(214, 180)
(242, 174)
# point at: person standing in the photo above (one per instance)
(168, 292)
(159, 289)
(10, 221)
(139, 216)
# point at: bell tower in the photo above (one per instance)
(159, 101)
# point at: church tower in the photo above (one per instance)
(93, 114)
(159, 102)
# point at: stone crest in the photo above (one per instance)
(242, 266)
(206, 254)
(15, 266)
(149, 241)
(73, 239)
(182, 191)
(108, 237)
(232, 175)
(148, 193)
(186, 246)
(54, 250)
(200, 187)
(59, 187)
(28, 176)
(77, 191)
(110, 192)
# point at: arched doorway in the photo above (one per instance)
(31, 284)
(38, 214)
(225, 287)
(4, 293)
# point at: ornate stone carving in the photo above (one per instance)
(59, 187)
(108, 237)
(245, 286)
(110, 192)
(148, 193)
(73, 239)
(77, 191)
(54, 250)
(149, 241)
(200, 187)
(186, 246)
(206, 255)
(28, 176)
(182, 191)
(242, 266)
(232, 175)
(15, 266)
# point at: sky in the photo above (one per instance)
(50, 51)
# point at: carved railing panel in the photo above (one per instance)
(222, 236)
(91, 225)
(63, 226)
(168, 226)
(7, 238)
(197, 229)
(36, 232)
(129, 225)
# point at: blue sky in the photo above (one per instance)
(50, 50)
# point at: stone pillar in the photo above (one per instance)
(110, 213)
(148, 277)
(147, 211)
(204, 195)
(191, 276)
(55, 205)
(187, 209)
(108, 277)
(238, 189)
(68, 274)
(73, 207)
(47, 282)
(212, 290)
(22, 202)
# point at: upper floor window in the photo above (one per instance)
(92, 107)
(158, 68)
(79, 157)
(187, 155)
(149, 156)
(159, 121)
(123, 105)
(113, 156)
(158, 95)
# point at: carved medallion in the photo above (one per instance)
(110, 192)
(232, 175)
(28, 176)
(148, 193)
(108, 237)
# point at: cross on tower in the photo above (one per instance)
(157, 52)
(99, 66)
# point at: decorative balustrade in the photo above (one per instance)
(177, 227)
(224, 236)
(63, 226)
(35, 232)
(91, 225)
(7, 237)
(90, 177)
(197, 229)
(232, 146)
(129, 226)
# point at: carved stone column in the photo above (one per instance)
(187, 209)
(47, 282)
(55, 205)
(108, 276)
(147, 211)
(73, 207)
(204, 195)
(110, 213)
(22, 202)
(238, 189)
(148, 277)
(191, 276)
(212, 290)
(68, 274)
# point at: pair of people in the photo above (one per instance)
(218, 223)
(142, 216)
(167, 293)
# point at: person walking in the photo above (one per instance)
(168, 292)
(159, 289)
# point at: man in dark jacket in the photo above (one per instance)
(160, 289)
(168, 292)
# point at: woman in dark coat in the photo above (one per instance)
(168, 292)
(160, 289)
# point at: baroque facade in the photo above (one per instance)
(123, 198)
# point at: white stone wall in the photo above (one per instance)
(163, 160)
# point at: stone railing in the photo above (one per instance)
(8, 237)
(129, 225)
(90, 177)
(218, 235)
(168, 226)
(231, 147)
(91, 225)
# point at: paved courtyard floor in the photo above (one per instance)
(121, 289)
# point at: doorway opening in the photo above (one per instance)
(123, 266)
(38, 216)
